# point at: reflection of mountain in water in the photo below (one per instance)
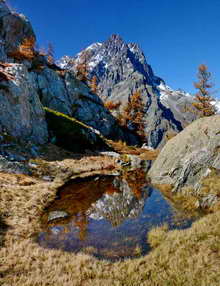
(119, 206)
(108, 216)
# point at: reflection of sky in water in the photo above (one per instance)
(128, 238)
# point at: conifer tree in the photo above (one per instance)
(134, 113)
(202, 100)
(93, 84)
(83, 67)
(50, 53)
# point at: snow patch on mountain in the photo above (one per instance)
(94, 61)
(94, 46)
(166, 92)
(216, 103)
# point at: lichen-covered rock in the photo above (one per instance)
(21, 111)
(187, 158)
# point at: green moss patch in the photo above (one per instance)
(71, 134)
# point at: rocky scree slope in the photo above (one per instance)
(190, 157)
(27, 83)
(121, 69)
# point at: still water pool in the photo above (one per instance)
(108, 216)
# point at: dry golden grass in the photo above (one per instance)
(123, 148)
(188, 198)
(157, 235)
(188, 257)
(211, 184)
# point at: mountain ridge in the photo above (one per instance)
(121, 69)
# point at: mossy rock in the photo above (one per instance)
(72, 134)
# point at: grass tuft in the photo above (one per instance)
(157, 235)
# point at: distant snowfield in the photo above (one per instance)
(217, 105)
(166, 92)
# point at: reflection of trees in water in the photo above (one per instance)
(113, 198)
(81, 221)
(136, 180)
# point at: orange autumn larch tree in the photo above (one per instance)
(50, 53)
(25, 50)
(82, 67)
(202, 101)
(134, 113)
(93, 84)
(110, 105)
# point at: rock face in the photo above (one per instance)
(29, 83)
(14, 28)
(188, 157)
(70, 96)
(21, 113)
(121, 69)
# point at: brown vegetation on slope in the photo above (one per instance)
(122, 148)
(25, 51)
(110, 105)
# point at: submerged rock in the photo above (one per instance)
(56, 215)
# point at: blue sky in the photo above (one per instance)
(175, 35)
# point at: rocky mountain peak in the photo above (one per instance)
(115, 42)
(122, 69)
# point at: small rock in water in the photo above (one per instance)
(145, 146)
(57, 214)
(47, 178)
(111, 154)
